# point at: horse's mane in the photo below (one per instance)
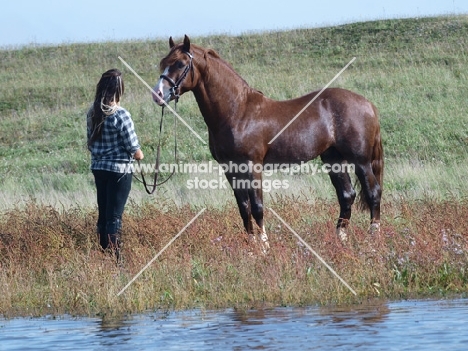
(214, 54)
(176, 54)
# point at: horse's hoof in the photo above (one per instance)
(374, 228)
(264, 242)
(265, 247)
(341, 233)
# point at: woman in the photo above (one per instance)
(114, 146)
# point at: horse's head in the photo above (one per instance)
(175, 67)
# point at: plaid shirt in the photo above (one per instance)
(115, 149)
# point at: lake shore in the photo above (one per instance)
(51, 263)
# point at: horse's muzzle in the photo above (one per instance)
(158, 97)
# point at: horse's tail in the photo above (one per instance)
(377, 160)
(377, 164)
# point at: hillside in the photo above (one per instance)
(413, 70)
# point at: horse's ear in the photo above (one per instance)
(186, 43)
(171, 43)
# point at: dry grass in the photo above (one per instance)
(50, 262)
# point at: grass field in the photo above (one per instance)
(413, 70)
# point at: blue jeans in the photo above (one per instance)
(112, 194)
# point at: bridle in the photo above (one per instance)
(175, 85)
(150, 189)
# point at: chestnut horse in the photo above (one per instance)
(340, 126)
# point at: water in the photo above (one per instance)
(407, 325)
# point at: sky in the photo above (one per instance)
(53, 22)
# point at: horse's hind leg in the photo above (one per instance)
(346, 195)
(344, 190)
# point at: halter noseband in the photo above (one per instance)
(175, 85)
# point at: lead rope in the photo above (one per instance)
(150, 189)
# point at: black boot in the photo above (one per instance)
(103, 238)
(115, 245)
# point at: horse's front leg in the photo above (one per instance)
(239, 184)
(256, 200)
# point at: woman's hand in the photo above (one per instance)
(139, 155)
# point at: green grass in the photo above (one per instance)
(414, 70)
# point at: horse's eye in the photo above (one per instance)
(179, 64)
